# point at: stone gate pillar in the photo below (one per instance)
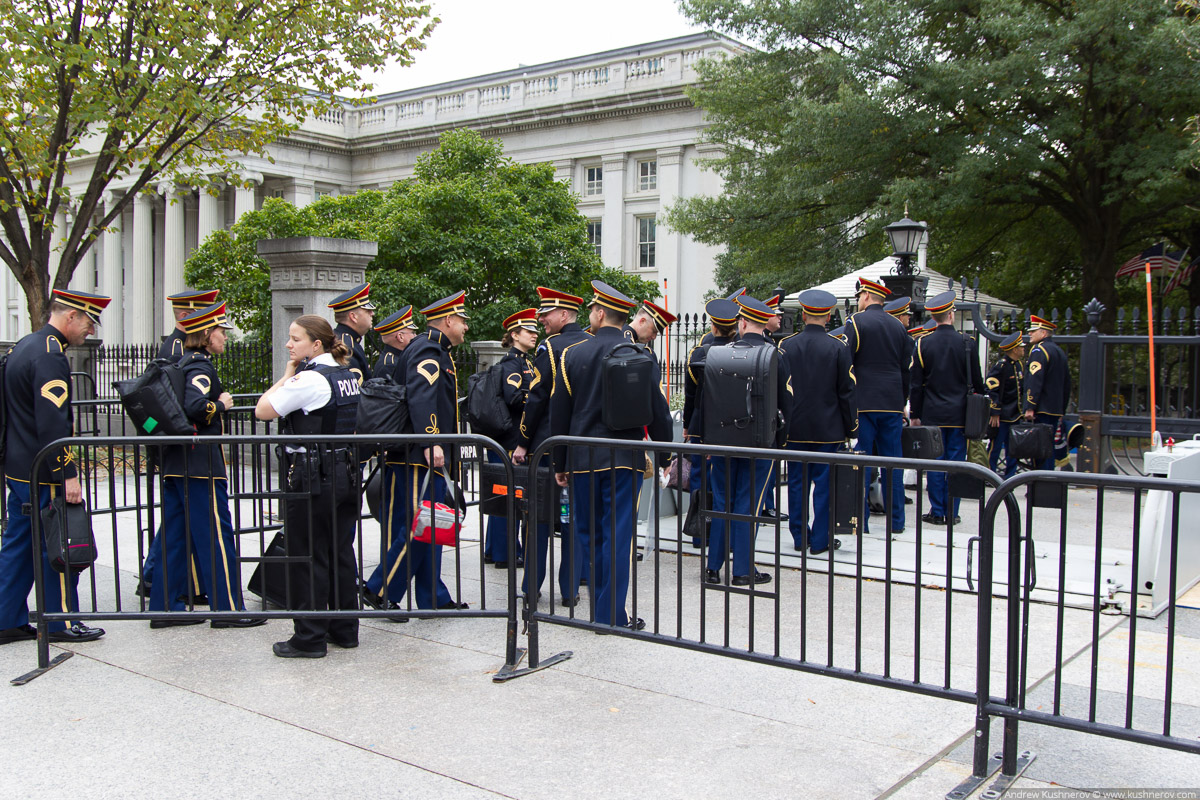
(306, 273)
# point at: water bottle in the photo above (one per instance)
(564, 509)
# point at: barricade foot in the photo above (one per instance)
(968, 787)
(1003, 783)
(28, 676)
(508, 672)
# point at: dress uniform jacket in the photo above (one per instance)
(693, 384)
(37, 387)
(547, 361)
(172, 346)
(387, 362)
(823, 403)
(880, 349)
(358, 358)
(576, 408)
(517, 375)
(1047, 379)
(939, 378)
(201, 388)
(1004, 388)
(432, 389)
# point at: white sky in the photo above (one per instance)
(476, 37)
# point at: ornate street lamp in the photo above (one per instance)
(906, 236)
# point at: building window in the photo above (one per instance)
(645, 242)
(593, 181)
(593, 235)
(647, 175)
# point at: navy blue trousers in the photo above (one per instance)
(199, 508)
(743, 495)
(604, 506)
(813, 529)
(407, 561)
(1001, 443)
(879, 434)
(16, 565)
(1053, 422)
(495, 542)
(954, 448)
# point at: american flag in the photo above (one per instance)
(1159, 260)
(1181, 275)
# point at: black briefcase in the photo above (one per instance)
(977, 418)
(493, 487)
(847, 504)
(1030, 441)
(269, 580)
(921, 441)
(67, 532)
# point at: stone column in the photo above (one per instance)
(110, 280)
(612, 241)
(243, 196)
(302, 193)
(207, 218)
(306, 273)
(173, 245)
(141, 282)
(668, 244)
(489, 352)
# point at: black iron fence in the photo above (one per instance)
(244, 367)
(922, 606)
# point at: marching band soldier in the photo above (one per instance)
(722, 318)
(901, 309)
(182, 304)
(940, 370)
(732, 297)
(605, 483)
(1047, 379)
(775, 304)
(430, 379)
(738, 484)
(195, 494)
(37, 397)
(648, 323)
(396, 332)
(353, 313)
(1004, 386)
(558, 313)
(881, 351)
(520, 334)
(823, 415)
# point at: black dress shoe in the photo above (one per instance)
(837, 545)
(933, 519)
(712, 576)
(583, 581)
(569, 602)
(908, 501)
(772, 513)
(371, 599)
(156, 624)
(142, 590)
(286, 650)
(635, 624)
(22, 633)
(348, 644)
(744, 580)
(452, 606)
(489, 560)
(236, 623)
(77, 633)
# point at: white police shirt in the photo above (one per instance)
(305, 391)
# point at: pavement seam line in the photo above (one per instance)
(356, 746)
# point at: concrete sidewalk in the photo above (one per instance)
(412, 712)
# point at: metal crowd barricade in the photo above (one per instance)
(793, 621)
(1148, 664)
(123, 496)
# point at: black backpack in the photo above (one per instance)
(627, 383)
(741, 400)
(382, 407)
(154, 399)
(486, 410)
(67, 531)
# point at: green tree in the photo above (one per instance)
(469, 219)
(131, 93)
(1045, 141)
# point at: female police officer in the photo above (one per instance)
(195, 495)
(318, 395)
(520, 337)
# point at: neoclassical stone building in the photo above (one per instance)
(617, 127)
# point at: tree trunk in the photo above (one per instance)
(36, 284)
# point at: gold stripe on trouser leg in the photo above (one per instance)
(219, 532)
(400, 557)
(391, 512)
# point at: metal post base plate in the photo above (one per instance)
(507, 672)
(968, 787)
(1004, 782)
(28, 676)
